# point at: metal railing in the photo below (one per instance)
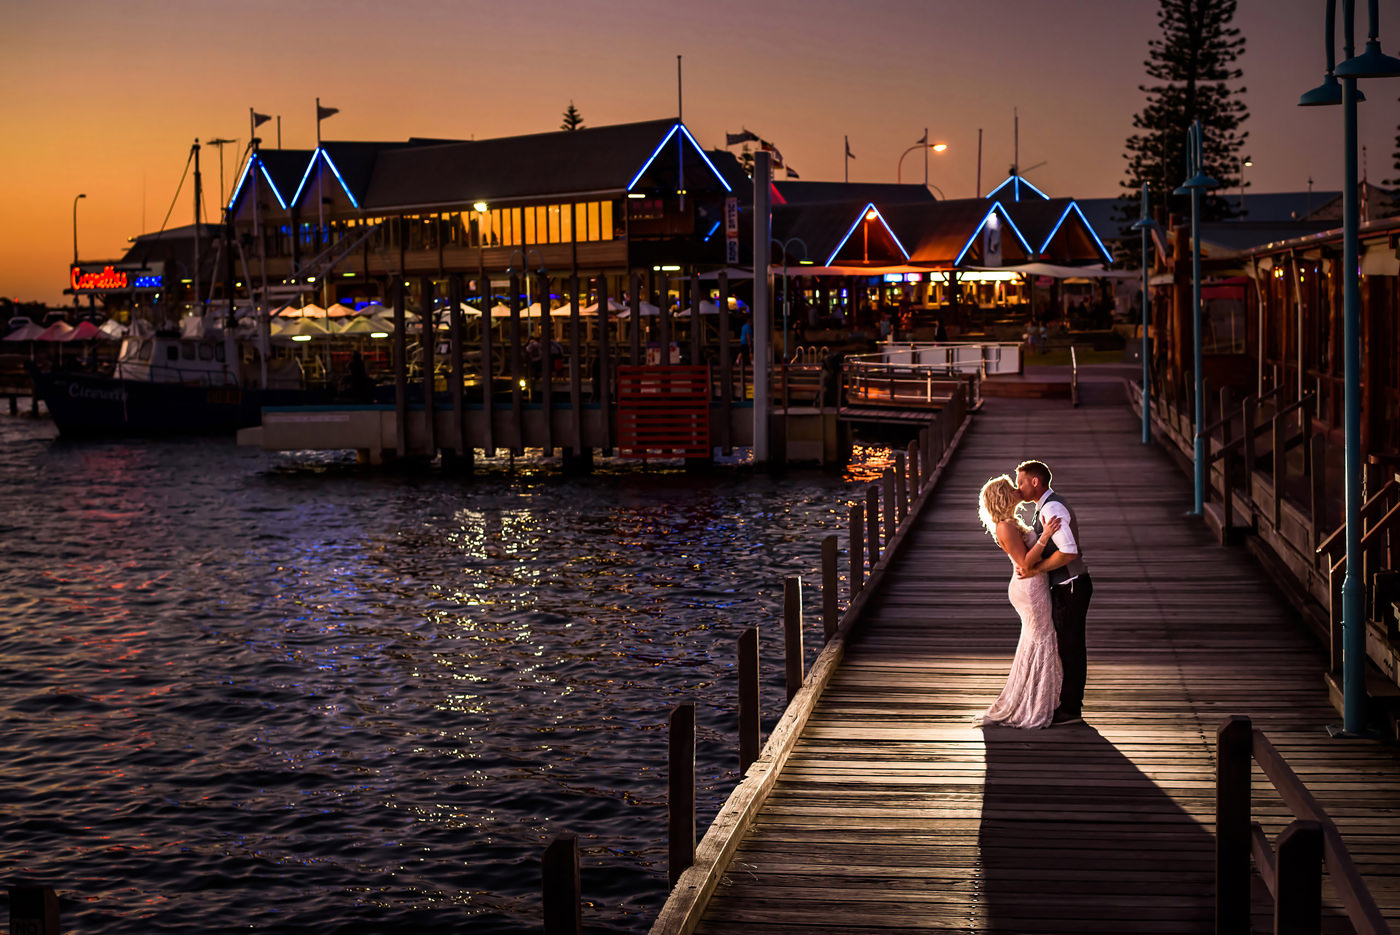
(982, 358)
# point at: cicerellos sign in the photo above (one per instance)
(110, 279)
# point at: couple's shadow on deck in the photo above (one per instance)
(1076, 838)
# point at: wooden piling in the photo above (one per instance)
(749, 710)
(901, 485)
(563, 896)
(400, 370)
(575, 370)
(1298, 879)
(792, 634)
(487, 366)
(872, 522)
(459, 376)
(1233, 742)
(634, 320)
(830, 616)
(680, 800)
(427, 344)
(887, 500)
(516, 392)
(726, 369)
(857, 550)
(546, 364)
(697, 323)
(34, 910)
(663, 319)
(602, 390)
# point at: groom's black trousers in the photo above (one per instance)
(1069, 605)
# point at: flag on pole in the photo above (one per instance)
(792, 174)
(849, 154)
(768, 147)
(744, 136)
(323, 112)
(259, 119)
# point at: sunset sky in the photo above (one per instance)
(105, 98)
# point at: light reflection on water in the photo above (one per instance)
(285, 694)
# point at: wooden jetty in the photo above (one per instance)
(891, 811)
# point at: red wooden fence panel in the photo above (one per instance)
(663, 411)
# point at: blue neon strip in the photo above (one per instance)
(296, 199)
(870, 206)
(712, 232)
(652, 158)
(348, 193)
(1108, 257)
(1032, 188)
(996, 207)
(1056, 228)
(233, 199)
(272, 185)
(662, 145)
(1009, 180)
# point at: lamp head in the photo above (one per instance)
(1327, 94)
(1373, 63)
(480, 207)
(1146, 224)
(1198, 181)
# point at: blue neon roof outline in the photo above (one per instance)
(869, 206)
(348, 193)
(662, 145)
(271, 184)
(321, 153)
(1016, 189)
(996, 206)
(238, 188)
(310, 164)
(1073, 206)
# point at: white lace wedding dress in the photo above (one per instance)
(1033, 687)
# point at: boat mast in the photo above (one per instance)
(197, 194)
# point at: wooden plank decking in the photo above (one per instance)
(894, 812)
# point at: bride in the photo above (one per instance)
(1033, 687)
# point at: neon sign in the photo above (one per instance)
(109, 278)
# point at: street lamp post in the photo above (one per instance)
(1370, 64)
(75, 228)
(1146, 225)
(783, 246)
(1247, 163)
(1197, 181)
(899, 169)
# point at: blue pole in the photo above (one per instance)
(1146, 304)
(1353, 635)
(1200, 452)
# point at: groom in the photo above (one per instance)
(1070, 585)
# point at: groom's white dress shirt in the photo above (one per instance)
(1063, 537)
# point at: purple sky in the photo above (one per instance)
(104, 98)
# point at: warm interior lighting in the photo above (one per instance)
(480, 207)
(871, 215)
(379, 334)
(301, 337)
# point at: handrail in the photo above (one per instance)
(1384, 524)
(1293, 878)
(1259, 429)
(1331, 540)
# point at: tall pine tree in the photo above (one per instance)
(1395, 182)
(573, 120)
(1193, 65)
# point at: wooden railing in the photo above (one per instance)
(1292, 868)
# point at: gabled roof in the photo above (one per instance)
(946, 232)
(1016, 189)
(1058, 231)
(651, 154)
(825, 228)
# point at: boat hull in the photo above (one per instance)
(84, 404)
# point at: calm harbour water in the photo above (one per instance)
(243, 691)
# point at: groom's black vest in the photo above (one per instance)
(1076, 567)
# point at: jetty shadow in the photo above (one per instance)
(1075, 837)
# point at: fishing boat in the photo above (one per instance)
(170, 384)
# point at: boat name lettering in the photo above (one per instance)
(78, 391)
(109, 278)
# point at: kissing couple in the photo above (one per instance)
(1050, 589)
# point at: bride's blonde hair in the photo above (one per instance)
(998, 503)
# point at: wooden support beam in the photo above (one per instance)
(830, 615)
(563, 896)
(680, 800)
(1298, 879)
(792, 634)
(749, 720)
(857, 549)
(1233, 743)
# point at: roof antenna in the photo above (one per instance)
(679, 117)
(1015, 142)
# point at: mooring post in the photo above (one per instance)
(887, 500)
(563, 897)
(857, 548)
(1298, 879)
(901, 485)
(680, 800)
(829, 613)
(748, 699)
(792, 634)
(34, 910)
(1234, 741)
